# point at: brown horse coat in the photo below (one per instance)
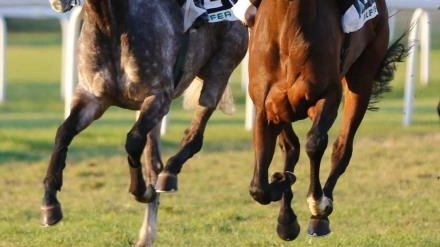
(301, 65)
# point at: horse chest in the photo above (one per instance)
(287, 104)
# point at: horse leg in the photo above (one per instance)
(190, 145)
(265, 134)
(148, 232)
(85, 109)
(317, 139)
(152, 111)
(153, 166)
(288, 227)
(358, 85)
(215, 74)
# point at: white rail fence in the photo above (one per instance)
(70, 25)
(29, 9)
(419, 36)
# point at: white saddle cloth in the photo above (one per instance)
(358, 13)
(215, 9)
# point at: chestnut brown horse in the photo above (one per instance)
(301, 65)
(128, 56)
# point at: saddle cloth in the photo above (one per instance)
(210, 10)
(358, 14)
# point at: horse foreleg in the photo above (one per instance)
(317, 139)
(264, 140)
(148, 231)
(152, 111)
(190, 145)
(288, 227)
(85, 109)
(153, 166)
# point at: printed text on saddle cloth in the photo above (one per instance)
(357, 14)
(211, 10)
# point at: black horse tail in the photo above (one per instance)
(397, 52)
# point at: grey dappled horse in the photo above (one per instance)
(130, 55)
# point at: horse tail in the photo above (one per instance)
(192, 94)
(397, 52)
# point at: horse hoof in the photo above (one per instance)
(318, 227)
(166, 182)
(149, 195)
(288, 232)
(50, 215)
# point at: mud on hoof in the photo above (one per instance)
(318, 227)
(50, 214)
(166, 182)
(288, 231)
(149, 195)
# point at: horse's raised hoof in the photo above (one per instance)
(50, 215)
(149, 195)
(318, 227)
(288, 232)
(166, 182)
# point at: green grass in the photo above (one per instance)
(388, 196)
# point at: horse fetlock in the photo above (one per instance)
(53, 183)
(290, 176)
(148, 196)
(262, 196)
(322, 207)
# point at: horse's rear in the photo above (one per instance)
(300, 65)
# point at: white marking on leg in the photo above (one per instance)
(317, 207)
(148, 231)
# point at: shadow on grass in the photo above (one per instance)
(31, 151)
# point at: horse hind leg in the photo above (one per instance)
(152, 111)
(190, 144)
(215, 74)
(85, 109)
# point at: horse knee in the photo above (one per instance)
(134, 145)
(316, 143)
